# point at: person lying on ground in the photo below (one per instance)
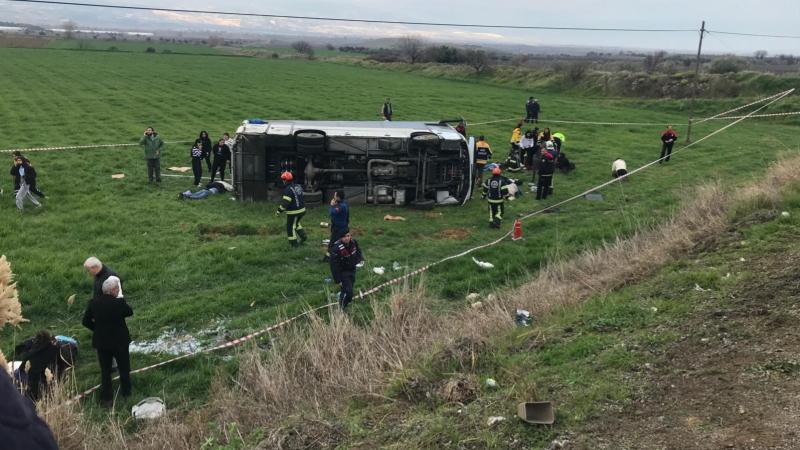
(214, 187)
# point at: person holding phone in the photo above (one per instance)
(152, 144)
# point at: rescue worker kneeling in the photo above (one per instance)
(293, 204)
(495, 190)
(345, 256)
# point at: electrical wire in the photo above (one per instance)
(345, 19)
(733, 33)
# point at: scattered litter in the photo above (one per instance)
(173, 342)
(490, 383)
(594, 197)
(117, 176)
(396, 266)
(326, 241)
(785, 214)
(483, 264)
(71, 299)
(494, 420)
(538, 413)
(704, 340)
(253, 303)
(360, 265)
(323, 224)
(179, 169)
(394, 218)
(727, 275)
(379, 270)
(532, 187)
(491, 298)
(149, 408)
(473, 296)
(477, 305)
(741, 409)
(699, 289)
(231, 248)
(654, 309)
(742, 260)
(523, 318)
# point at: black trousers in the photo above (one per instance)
(219, 165)
(294, 229)
(207, 157)
(154, 170)
(104, 357)
(496, 211)
(543, 188)
(197, 169)
(347, 280)
(532, 117)
(666, 150)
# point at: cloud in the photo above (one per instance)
(199, 19)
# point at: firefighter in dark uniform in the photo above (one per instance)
(292, 203)
(546, 169)
(345, 256)
(495, 190)
(483, 153)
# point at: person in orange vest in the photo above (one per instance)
(668, 138)
(483, 154)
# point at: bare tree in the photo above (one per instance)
(69, 29)
(760, 54)
(477, 59)
(304, 48)
(652, 61)
(411, 48)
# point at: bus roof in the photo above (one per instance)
(373, 129)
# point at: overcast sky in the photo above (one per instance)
(761, 17)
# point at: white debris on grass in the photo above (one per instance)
(483, 264)
(379, 270)
(174, 342)
(785, 214)
(495, 420)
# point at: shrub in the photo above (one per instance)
(726, 65)
(150, 50)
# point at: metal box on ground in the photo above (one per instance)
(539, 413)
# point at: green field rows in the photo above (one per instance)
(182, 266)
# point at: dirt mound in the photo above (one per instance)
(732, 380)
(454, 234)
(459, 389)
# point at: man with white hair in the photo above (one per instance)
(100, 272)
(105, 316)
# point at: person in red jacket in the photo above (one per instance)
(668, 137)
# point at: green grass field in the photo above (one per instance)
(179, 275)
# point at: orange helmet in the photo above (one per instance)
(496, 171)
(287, 176)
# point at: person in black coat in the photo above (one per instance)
(345, 256)
(206, 148)
(105, 316)
(100, 272)
(25, 180)
(20, 427)
(222, 154)
(42, 352)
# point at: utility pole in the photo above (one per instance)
(696, 81)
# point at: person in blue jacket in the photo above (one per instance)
(339, 212)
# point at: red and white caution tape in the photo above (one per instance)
(79, 147)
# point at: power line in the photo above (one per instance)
(344, 19)
(780, 36)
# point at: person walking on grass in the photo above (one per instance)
(386, 110)
(206, 148)
(99, 273)
(483, 154)
(32, 187)
(547, 167)
(495, 191)
(339, 212)
(27, 178)
(532, 110)
(222, 154)
(668, 138)
(153, 144)
(197, 154)
(293, 204)
(345, 257)
(105, 316)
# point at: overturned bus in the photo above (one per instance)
(416, 163)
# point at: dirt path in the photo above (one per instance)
(733, 379)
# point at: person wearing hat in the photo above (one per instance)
(546, 169)
(293, 205)
(345, 257)
(495, 191)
